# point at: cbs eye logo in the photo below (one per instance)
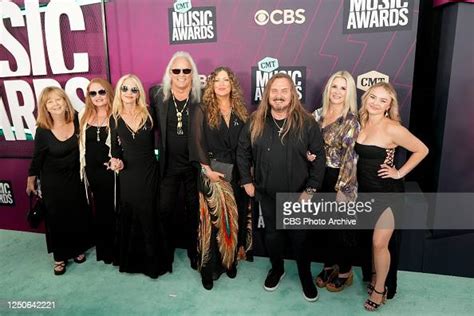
(277, 17)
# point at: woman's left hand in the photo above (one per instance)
(386, 171)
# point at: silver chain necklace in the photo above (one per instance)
(280, 128)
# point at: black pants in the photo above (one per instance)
(338, 244)
(175, 225)
(275, 241)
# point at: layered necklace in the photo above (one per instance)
(179, 116)
(99, 125)
(280, 128)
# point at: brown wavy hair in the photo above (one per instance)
(209, 98)
(44, 119)
(296, 112)
(90, 108)
(392, 113)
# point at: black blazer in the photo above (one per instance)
(159, 112)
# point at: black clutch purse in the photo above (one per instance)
(224, 168)
(36, 212)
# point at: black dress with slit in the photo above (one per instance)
(368, 165)
(141, 241)
(68, 218)
(101, 183)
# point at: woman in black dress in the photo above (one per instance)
(94, 148)
(381, 133)
(225, 227)
(140, 236)
(56, 162)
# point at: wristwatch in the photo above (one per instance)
(310, 190)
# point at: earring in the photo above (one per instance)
(386, 113)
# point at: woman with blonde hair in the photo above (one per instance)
(225, 227)
(380, 135)
(337, 119)
(94, 150)
(142, 244)
(56, 162)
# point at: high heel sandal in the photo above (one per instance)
(371, 285)
(59, 267)
(371, 306)
(338, 284)
(326, 275)
(80, 259)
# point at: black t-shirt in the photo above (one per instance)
(177, 153)
(278, 175)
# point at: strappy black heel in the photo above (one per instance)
(371, 306)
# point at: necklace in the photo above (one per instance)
(179, 116)
(99, 126)
(133, 123)
(280, 128)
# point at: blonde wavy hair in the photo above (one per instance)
(296, 112)
(211, 103)
(90, 109)
(45, 120)
(117, 105)
(393, 111)
(350, 102)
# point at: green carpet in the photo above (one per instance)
(94, 288)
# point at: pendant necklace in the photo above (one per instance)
(280, 128)
(179, 116)
(99, 126)
(133, 123)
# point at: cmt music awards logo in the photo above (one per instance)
(191, 25)
(268, 67)
(280, 16)
(6, 194)
(365, 81)
(367, 16)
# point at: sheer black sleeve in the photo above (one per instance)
(39, 154)
(198, 148)
(115, 147)
(244, 154)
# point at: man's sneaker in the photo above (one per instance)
(273, 280)
(310, 292)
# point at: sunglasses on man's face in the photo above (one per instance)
(101, 92)
(125, 89)
(177, 71)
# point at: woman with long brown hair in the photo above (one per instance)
(94, 145)
(225, 222)
(380, 136)
(56, 162)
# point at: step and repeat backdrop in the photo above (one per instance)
(62, 43)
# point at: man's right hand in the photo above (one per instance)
(249, 189)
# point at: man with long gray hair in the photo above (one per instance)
(171, 104)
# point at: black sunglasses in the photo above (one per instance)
(101, 92)
(125, 89)
(177, 71)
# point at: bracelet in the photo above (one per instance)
(310, 190)
(203, 170)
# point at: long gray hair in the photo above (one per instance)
(196, 82)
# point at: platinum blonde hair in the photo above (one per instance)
(196, 82)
